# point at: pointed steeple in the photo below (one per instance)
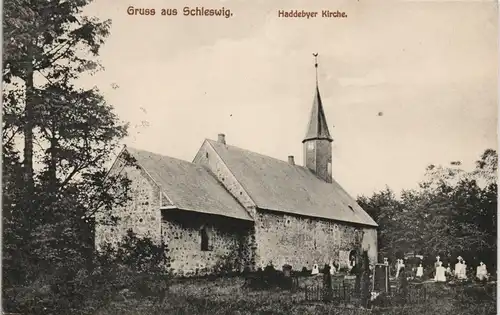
(318, 142)
(317, 128)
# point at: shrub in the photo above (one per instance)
(134, 269)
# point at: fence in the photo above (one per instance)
(267, 280)
(340, 293)
(344, 293)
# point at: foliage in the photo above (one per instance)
(131, 271)
(226, 296)
(141, 253)
(452, 213)
(58, 140)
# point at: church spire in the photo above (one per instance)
(318, 142)
(317, 127)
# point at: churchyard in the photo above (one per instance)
(233, 295)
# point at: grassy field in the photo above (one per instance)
(228, 296)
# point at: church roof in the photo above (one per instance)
(280, 186)
(317, 127)
(189, 186)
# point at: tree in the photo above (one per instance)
(69, 132)
(384, 208)
(50, 40)
(452, 213)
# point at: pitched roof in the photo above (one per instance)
(277, 185)
(189, 186)
(317, 127)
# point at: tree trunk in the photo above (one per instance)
(53, 159)
(28, 131)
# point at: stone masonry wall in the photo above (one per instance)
(227, 239)
(207, 157)
(302, 242)
(141, 214)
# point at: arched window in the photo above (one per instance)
(204, 239)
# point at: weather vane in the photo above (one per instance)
(316, 65)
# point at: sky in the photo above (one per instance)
(404, 84)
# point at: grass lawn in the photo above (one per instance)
(229, 296)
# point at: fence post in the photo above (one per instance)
(345, 297)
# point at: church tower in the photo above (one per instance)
(318, 142)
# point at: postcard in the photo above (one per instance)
(249, 157)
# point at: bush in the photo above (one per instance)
(134, 269)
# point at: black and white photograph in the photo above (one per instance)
(249, 157)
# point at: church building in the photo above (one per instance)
(231, 208)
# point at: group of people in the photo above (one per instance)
(441, 273)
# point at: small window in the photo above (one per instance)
(287, 221)
(206, 155)
(204, 239)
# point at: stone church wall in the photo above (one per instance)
(233, 244)
(227, 243)
(301, 241)
(208, 157)
(141, 213)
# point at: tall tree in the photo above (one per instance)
(69, 133)
(452, 213)
(50, 40)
